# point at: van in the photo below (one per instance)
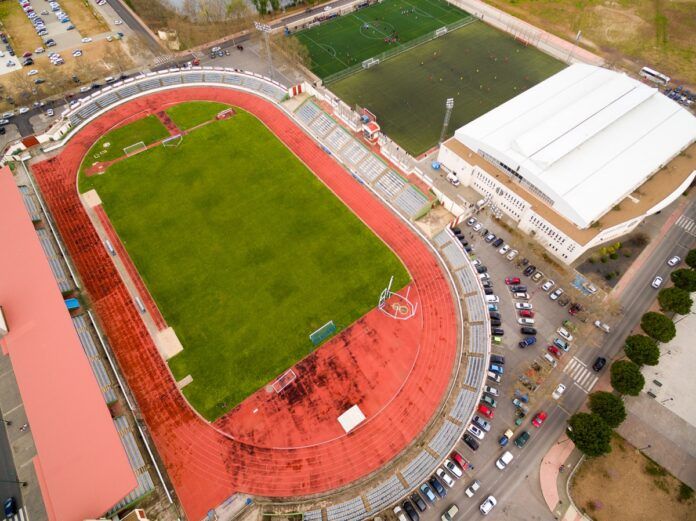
(492, 299)
(550, 359)
(452, 178)
(601, 325)
(449, 514)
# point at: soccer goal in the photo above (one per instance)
(173, 141)
(135, 148)
(370, 62)
(440, 32)
(324, 332)
(284, 380)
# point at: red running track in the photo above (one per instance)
(205, 465)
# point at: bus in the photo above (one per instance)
(654, 76)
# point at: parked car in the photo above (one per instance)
(411, 511)
(453, 469)
(498, 359)
(10, 507)
(530, 340)
(399, 513)
(418, 501)
(488, 505)
(496, 243)
(493, 377)
(504, 460)
(444, 476)
(599, 363)
(601, 325)
(472, 488)
(428, 492)
(511, 255)
(476, 432)
(486, 411)
(526, 313)
(558, 392)
(488, 401)
(490, 390)
(512, 280)
(504, 249)
(519, 288)
(523, 305)
(496, 368)
(539, 419)
(554, 295)
(496, 331)
(554, 351)
(470, 441)
(562, 344)
(522, 439)
(477, 227)
(529, 270)
(437, 486)
(520, 295)
(450, 513)
(525, 321)
(537, 276)
(471, 221)
(526, 330)
(546, 286)
(565, 334)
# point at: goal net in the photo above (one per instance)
(173, 141)
(284, 380)
(440, 32)
(324, 332)
(133, 149)
(370, 62)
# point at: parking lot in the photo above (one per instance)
(530, 375)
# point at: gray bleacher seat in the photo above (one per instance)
(313, 515)
(347, 511)
(454, 255)
(476, 308)
(466, 401)
(411, 201)
(418, 469)
(384, 494)
(30, 203)
(445, 438)
(390, 184)
(478, 338)
(128, 91)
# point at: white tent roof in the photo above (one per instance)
(585, 137)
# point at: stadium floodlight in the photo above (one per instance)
(266, 30)
(449, 105)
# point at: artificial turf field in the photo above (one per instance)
(477, 65)
(244, 251)
(349, 39)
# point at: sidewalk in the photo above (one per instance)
(554, 482)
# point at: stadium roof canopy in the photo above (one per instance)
(585, 138)
(81, 465)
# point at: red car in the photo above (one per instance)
(460, 461)
(527, 313)
(554, 351)
(539, 419)
(486, 411)
(512, 280)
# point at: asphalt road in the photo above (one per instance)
(506, 485)
(125, 14)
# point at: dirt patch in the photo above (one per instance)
(609, 262)
(434, 221)
(626, 486)
(85, 17)
(100, 59)
(18, 27)
(619, 26)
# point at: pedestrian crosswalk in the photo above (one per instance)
(688, 224)
(581, 374)
(19, 516)
(163, 59)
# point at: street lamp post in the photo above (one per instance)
(266, 30)
(646, 447)
(22, 483)
(666, 400)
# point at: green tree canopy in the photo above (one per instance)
(626, 378)
(642, 350)
(684, 279)
(609, 407)
(691, 259)
(658, 326)
(590, 433)
(676, 300)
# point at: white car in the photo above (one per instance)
(101, 2)
(471, 489)
(490, 390)
(657, 282)
(109, 38)
(504, 249)
(504, 460)
(453, 179)
(473, 429)
(77, 53)
(50, 113)
(453, 468)
(488, 505)
(39, 50)
(673, 261)
(23, 110)
(523, 305)
(477, 227)
(556, 294)
(492, 299)
(86, 39)
(511, 255)
(445, 477)
(471, 221)
(85, 88)
(484, 276)
(558, 392)
(525, 321)
(565, 334)
(548, 285)
(118, 22)
(7, 115)
(32, 72)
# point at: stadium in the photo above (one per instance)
(245, 281)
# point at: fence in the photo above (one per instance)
(407, 46)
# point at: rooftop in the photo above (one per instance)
(585, 137)
(82, 466)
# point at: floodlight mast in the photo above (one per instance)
(449, 105)
(266, 30)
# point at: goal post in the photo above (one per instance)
(135, 148)
(324, 332)
(370, 62)
(173, 141)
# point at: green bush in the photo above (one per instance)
(676, 300)
(642, 350)
(691, 259)
(614, 255)
(626, 378)
(685, 493)
(590, 433)
(609, 407)
(658, 326)
(685, 279)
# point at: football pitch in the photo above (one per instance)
(352, 38)
(244, 251)
(477, 65)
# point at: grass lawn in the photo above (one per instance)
(193, 113)
(352, 38)
(624, 485)
(148, 130)
(658, 34)
(477, 65)
(245, 252)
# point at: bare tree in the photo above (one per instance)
(291, 48)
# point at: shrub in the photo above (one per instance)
(604, 259)
(614, 255)
(685, 493)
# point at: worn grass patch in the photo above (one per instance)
(193, 113)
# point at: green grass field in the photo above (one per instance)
(191, 114)
(148, 130)
(245, 252)
(477, 65)
(352, 38)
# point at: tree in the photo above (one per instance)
(684, 279)
(590, 433)
(626, 378)
(658, 326)
(642, 350)
(676, 300)
(609, 407)
(691, 259)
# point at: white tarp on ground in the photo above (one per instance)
(586, 137)
(350, 419)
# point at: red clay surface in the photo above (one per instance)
(207, 465)
(69, 420)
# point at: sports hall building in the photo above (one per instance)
(579, 159)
